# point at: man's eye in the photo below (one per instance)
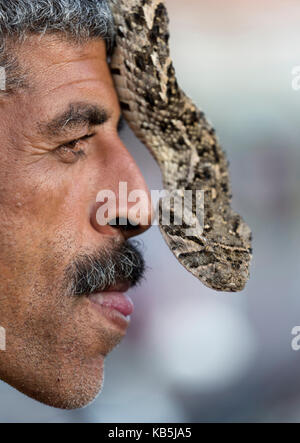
(73, 148)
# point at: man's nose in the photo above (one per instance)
(125, 205)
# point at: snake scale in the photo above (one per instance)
(182, 142)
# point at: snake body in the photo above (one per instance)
(182, 142)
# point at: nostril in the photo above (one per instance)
(124, 224)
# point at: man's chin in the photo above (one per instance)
(70, 401)
(78, 398)
(73, 388)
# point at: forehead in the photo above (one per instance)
(60, 71)
(45, 56)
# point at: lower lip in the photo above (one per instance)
(114, 305)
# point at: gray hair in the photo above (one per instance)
(77, 20)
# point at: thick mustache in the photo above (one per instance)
(98, 272)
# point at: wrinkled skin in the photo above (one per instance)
(56, 344)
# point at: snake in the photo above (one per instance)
(183, 143)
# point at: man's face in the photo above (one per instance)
(57, 338)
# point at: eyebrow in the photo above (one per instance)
(76, 117)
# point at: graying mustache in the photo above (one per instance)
(97, 273)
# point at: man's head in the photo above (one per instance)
(59, 118)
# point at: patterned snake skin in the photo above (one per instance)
(182, 142)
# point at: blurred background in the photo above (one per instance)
(192, 354)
